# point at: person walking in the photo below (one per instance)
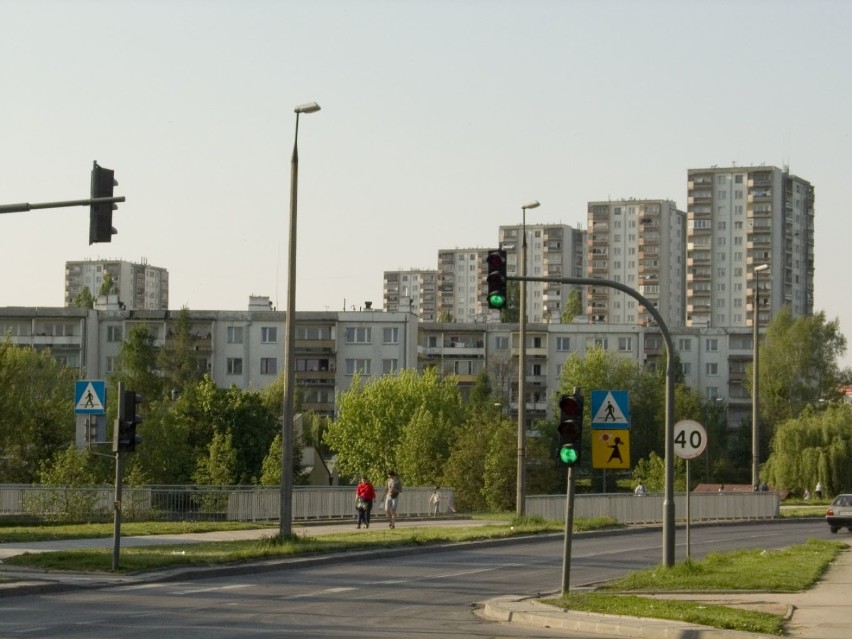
(640, 490)
(818, 490)
(365, 494)
(435, 501)
(393, 486)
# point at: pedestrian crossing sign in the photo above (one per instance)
(90, 397)
(610, 409)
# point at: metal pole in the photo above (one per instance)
(520, 497)
(25, 206)
(755, 387)
(119, 471)
(687, 508)
(569, 531)
(286, 519)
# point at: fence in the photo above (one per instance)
(630, 509)
(179, 503)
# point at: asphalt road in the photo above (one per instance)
(424, 593)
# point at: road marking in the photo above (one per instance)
(211, 589)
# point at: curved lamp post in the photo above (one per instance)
(287, 430)
(520, 495)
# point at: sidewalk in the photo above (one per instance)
(823, 612)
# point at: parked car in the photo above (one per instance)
(839, 513)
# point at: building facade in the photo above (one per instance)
(642, 244)
(740, 218)
(138, 286)
(413, 291)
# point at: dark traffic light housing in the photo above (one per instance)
(570, 428)
(497, 295)
(100, 214)
(125, 438)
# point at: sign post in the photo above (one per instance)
(690, 440)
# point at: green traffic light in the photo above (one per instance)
(495, 300)
(568, 455)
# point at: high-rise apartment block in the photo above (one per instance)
(140, 287)
(461, 285)
(642, 244)
(553, 251)
(413, 291)
(740, 218)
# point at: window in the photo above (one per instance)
(268, 334)
(111, 364)
(235, 366)
(711, 368)
(684, 344)
(390, 335)
(625, 343)
(463, 367)
(686, 367)
(712, 344)
(358, 335)
(357, 366)
(114, 333)
(563, 344)
(268, 366)
(501, 343)
(599, 342)
(390, 366)
(235, 335)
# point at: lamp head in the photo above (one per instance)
(309, 107)
(531, 205)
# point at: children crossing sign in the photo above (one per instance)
(610, 429)
(90, 397)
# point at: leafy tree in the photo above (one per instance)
(511, 314)
(652, 473)
(72, 470)
(817, 446)
(36, 410)
(165, 456)
(798, 365)
(177, 361)
(218, 466)
(500, 484)
(573, 307)
(107, 286)
(271, 469)
(370, 435)
(84, 299)
(138, 364)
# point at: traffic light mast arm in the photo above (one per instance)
(668, 495)
(24, 206)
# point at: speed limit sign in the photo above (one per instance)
(690, 439)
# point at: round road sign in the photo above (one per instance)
(690, 439)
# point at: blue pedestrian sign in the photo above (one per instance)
(610, 409)
(90, 397)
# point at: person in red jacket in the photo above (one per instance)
(364, 496)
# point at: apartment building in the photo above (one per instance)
(412, 291)
(553, 251)
(462, 285)
(642, 244)
(139, 286)
(740, 218)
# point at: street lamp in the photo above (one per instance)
(522, 373)
(287, 430)
(755, 384)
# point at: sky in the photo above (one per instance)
(439, 120)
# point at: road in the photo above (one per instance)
(422, 594)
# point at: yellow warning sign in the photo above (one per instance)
(611, 448)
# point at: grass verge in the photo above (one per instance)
(146, 558)
(788, 570)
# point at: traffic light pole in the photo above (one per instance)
(569, 532)
(24, 206)
(668, 495)
(119, 471)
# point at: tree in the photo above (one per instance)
(370, 435)
(107, 286)
(177, 360)
(573, 307)
(84, 299)
(798, 365)
(36, 410)
(218, 466)
(138, 364)
(816, 446)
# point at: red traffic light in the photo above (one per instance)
(570, 406)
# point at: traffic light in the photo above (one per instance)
(126, 438)
(570, 428)
(497, 296)
(100, 215)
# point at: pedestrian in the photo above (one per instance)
(393, 486)
(435, 501)
(640, 490)
(364, 496)
(806, 495)
(818, 490)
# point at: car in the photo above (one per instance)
(839, 513)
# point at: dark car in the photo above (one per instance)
(839, 513)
